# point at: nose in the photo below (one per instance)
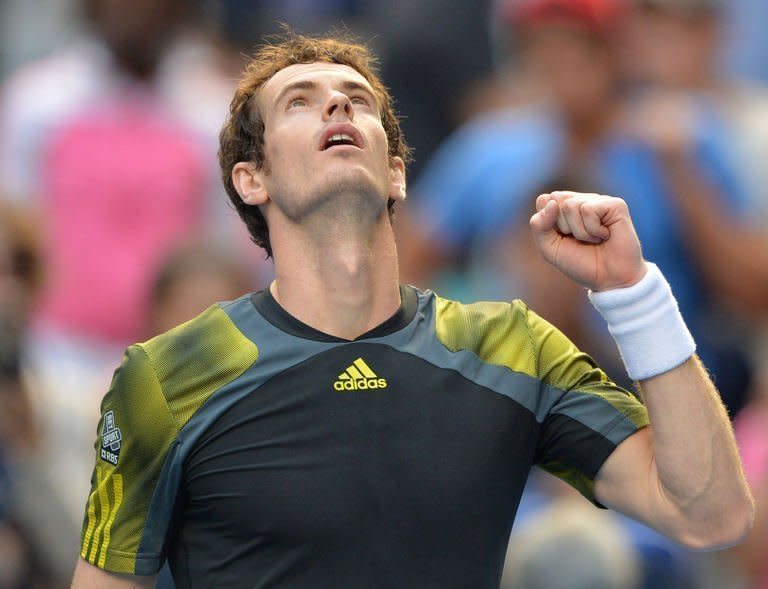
(338, 107)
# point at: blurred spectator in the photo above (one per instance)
(27, 557)
(669, 91)
(751, 428)
(111, 141)
(747, 44)
(472, 190)
(580, 128)
(728, 245)
(20, 267)
(189, 281)
(19, 281)
(569, 545)
(29, 30)
(657, 562)
(432, 54)
(15, 417)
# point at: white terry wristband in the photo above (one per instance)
(646, 324)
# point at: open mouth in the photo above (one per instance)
(339, 139)
(341, 135)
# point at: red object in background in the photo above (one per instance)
(600, 15)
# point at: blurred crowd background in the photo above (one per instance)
(114, 225)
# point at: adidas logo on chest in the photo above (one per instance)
(359, 377)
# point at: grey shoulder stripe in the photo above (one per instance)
(419, 339)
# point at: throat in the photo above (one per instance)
(344, 291)
(337, 270)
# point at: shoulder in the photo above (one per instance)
(513, 335)
(161, 383)
(213, 329)
(509, 134)
(199, 356)
(179, 369)
(482, 161)
(70, 71)
(496, 332)
(455, 316)
(533, 119)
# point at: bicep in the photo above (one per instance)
(88, 576)
(628, 482)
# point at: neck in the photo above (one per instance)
(342, 281)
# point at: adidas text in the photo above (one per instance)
(359, 377)
(360, 384)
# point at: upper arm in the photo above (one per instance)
(588, 417)
(88, 576)
(628, 482)
(135, 434)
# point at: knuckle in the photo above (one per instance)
(618, 201)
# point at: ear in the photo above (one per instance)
(249, 183)
(396, 178)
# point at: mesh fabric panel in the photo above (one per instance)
(197, 358)
(157, 389)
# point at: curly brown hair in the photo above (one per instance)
(242, 136)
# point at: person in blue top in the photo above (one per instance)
(477, 187)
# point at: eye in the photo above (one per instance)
(296, 102)
(359, 100)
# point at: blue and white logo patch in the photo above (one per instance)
(110, 439)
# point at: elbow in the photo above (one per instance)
(729, 528)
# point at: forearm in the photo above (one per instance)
(717, 240)
(684, 475)
(699, 472)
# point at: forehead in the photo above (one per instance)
(318, 72)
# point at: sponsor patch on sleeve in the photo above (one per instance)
(110, 439)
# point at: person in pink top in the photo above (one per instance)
(751, 429)
(122, 187)
(94, 141)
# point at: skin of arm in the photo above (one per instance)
(681, 475)
(88, 576)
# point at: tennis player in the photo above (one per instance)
(340, 429)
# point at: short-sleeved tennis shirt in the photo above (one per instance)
(251, 450)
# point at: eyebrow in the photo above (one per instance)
(346, 85)
(351, 86)
(300, 85)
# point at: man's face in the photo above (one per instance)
(137, 32)
(323, 139)
(572, 64)
(675, 48)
